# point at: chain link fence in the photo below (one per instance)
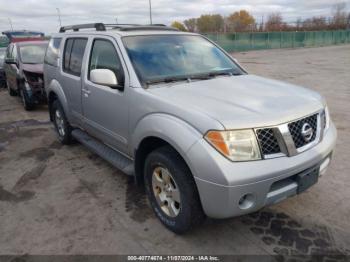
(235, 42)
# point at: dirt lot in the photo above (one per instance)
(65, 200)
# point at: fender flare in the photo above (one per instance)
(55, 87)
(177, 133)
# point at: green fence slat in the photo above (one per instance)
(235, 42)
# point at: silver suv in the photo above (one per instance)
(179, 114)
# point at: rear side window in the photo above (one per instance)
(73, 55)
(53, 51)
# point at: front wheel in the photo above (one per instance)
(172, 191)
(60, 121)
(28, 106)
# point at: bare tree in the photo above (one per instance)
(274, 22)
(315, 23)
(340, 17)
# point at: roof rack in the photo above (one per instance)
(121, 27)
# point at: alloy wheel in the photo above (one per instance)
(59, 123)
(166, 191)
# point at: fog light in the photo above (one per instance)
(246, 201)
(324, 165)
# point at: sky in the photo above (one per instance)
(42, 14)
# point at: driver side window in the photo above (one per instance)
(105, 56)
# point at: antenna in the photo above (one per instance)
(10, 21)
(150, 11)
(59, 16)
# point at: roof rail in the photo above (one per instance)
(121, 27)
(148, 27)
(97, 26)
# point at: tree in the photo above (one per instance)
(179, 26)
(210, 23)
(218, 23)
(315, 23)
(241, 21)
(274, 22)
(191, 24)
(339, 19)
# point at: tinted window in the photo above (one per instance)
(9, 51)
(67, 51)
(53, 51)
(104, 56)
(73, 55)
(2, 52)
(14, 53)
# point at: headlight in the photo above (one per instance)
(327, 118)
(236, 145)
(27, 86)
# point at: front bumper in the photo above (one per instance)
(230, 189)
(35, 93)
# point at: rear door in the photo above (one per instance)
(72, 61)
(106, 109)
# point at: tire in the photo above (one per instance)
(28, 106)
(178, 216)
(10, 90)
(62, 126)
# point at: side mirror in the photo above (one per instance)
(10, 61)
(104, 77)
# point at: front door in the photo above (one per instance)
(11, 70)
(106, 109)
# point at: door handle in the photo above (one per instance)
(86, 92)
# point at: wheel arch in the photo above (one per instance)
(159, 130)
(55, 92)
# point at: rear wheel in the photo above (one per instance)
(172, 191)
(25, 101)
(62, 126)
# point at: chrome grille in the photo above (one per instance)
(287, 139)
(295, 129)
(268, 142)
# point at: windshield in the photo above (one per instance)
(170, 56)
(32, 54)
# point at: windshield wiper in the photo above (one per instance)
(177, 79)
(223, 73)
(188, 78)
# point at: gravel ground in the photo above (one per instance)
(66, 200)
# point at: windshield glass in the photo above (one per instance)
(157, 57)
(32, 54)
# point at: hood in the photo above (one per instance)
(245, 101)
(33, 68)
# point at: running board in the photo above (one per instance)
(115, 158)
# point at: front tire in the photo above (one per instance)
(61, 123)
(172, 191)
(28, 106)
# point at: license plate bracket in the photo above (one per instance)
(307, 179)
